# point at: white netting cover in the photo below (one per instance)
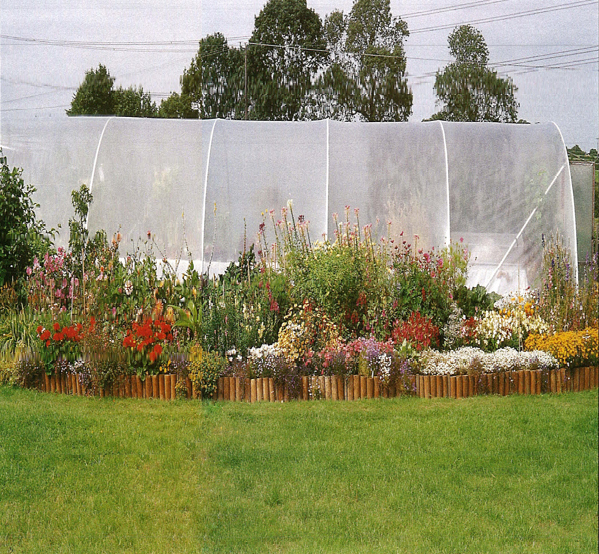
(499, 187)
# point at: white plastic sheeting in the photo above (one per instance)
(202, 186)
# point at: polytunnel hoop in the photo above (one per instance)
(524, 227)
(91, 180)
(575, 250)
(205, 194)
(448, 236)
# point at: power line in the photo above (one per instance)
(451, 8)
(506, 17)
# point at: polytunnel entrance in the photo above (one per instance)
(201, 186)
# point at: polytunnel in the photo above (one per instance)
(201, 186)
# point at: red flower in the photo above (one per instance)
(58, 337)
(45, 335)
(39, 329)
(57, 326)
(152, 357)
(157, 349)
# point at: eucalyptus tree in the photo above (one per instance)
(286, 52)
(213, 83)
(366, 78)
(468, 89)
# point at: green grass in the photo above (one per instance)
(487, 474)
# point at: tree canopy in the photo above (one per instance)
(467, 89)
(366, 78)
(287, 50)
(96, 95)
(213, 84)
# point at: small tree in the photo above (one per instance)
(95, 96)
(468, 89)
(22, 235)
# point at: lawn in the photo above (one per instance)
(514, 474)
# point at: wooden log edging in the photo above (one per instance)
(516, 382)
(340, 387)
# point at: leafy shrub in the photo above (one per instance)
(204, 370)
(426, 282)
(474, 301)
(22, 235)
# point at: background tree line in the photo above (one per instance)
(295, 66)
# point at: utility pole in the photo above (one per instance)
(246, 81)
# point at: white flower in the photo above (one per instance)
(128, 288)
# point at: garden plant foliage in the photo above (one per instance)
(290, 306)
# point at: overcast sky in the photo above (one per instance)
(548, 47)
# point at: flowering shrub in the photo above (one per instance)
(514, 320)
(418, 330)
(51, 284)
(263, 361)
(426, 281)
(469, 359)
(459, 330)
(369, 357)
(59, 342)
(570, 348)
(144, 342)
(305, 329)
